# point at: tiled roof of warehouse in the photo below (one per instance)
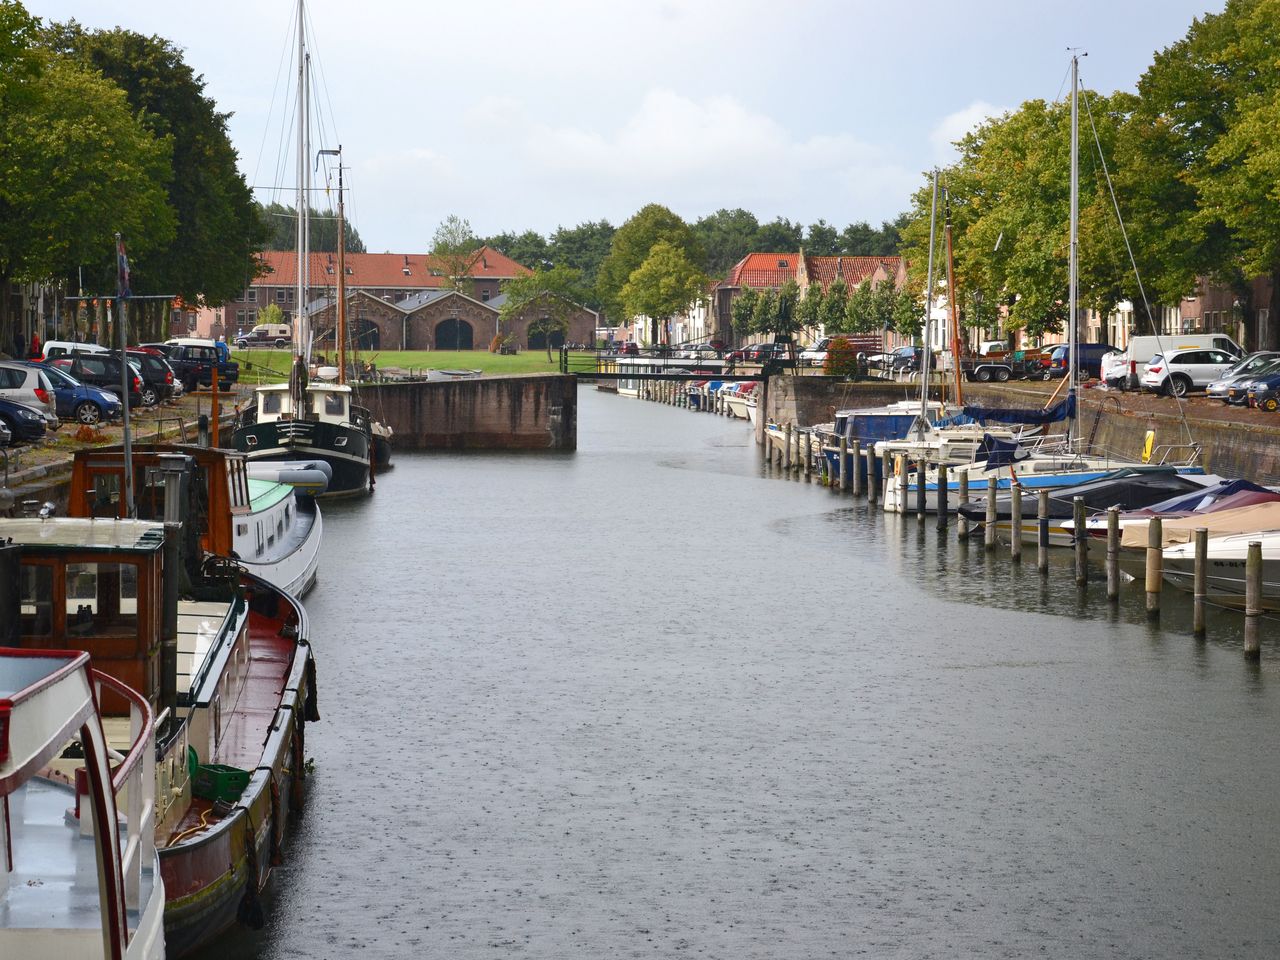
(400, 270)
(763, 270)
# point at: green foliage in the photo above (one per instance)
(555, 294)
(270, 314)
(528, 248)
(906, 314)
(455, 248)
(809, 309)
(822, 240)
(281, 224)
(584, 248)
(862, 240)
(726, 236)
(743, 311)
(834, 306)
(211, 251)
(860, 310)
(631, 246)
(776, 311)
(76, 166)
(779, 236)
(764, 312)
(19, 65)
(663, 286)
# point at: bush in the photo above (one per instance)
(842, 358)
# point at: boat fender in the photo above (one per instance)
(249, 912)
(311, 711)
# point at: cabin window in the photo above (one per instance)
(333, 404)
(271, 402)
(280, 526)
(105, 495)
(35, 590)
(102, 599)
(241, 529)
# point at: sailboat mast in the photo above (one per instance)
(306, 206)
(342, 280)
(1073, 279)
(953, 312)
(300, 200)
(928, 313)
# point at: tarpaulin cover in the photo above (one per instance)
(1221, 523)
(1059, 411)
(1206, 498)
(999, 453)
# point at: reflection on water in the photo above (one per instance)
(644, 700)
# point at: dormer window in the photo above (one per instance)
(782, 264)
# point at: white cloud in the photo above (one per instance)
(955, 125)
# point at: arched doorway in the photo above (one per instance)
(538, 339)
(453, 334)
(366, 335)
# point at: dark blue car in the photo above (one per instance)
(24, 423)
(79, 401)
(1264, 393)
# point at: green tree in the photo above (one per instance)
(19, 65)
(663, 286)
(77, 166)
(455, 249)
(270, 314)
(529, 248)
(631, 246)
(584, 248)
(218, 231)
(860, 315)
(863, 240)
(778, 236)
(809, 309)
(764, 312)
(822, 240)
(834, 306)
(281, 224)
(554, 294)
(776, 311)
(743, 311)
(906, 314)
(727, 237)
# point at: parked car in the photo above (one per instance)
(268, 335)
(1252, 366)
(28, 385)
(6, 437)
(816, 355)
(194, 359)
(1142, 349)
(904, 359)
(628, 349)
(700, 351)
(1185, 370)
(79, 401)
(25, 425)
(60, 348)
(1264, 393)
(157, 376)
(1088, 359)
(101, 370)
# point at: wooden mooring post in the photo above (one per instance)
(989, 529)
(873, 474)
(920, 491)
(786, 448)
(1253, 600)
(1155, 567)
(962, 496)
(1015, 523)
(1199, 587)
(843, 456)
(1113, 554)
(807, 439)
(857, 467)
(1042, 533)
(1081, 538)
(900, 479)
(942, 504)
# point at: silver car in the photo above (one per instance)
(1254, 365)
(30, 387)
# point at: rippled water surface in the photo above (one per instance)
(645, 701)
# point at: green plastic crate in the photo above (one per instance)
(216, 781)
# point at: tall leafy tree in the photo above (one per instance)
(778, 236)
(664, 285)
(529, 248)
(455, 249)
(19, 65)
(834, 305)
(743, 311)
(726, 236)
(218, 230)
(553, 293)
(631, 246)
(822, 240)
(809, 309)
(584, 248)
(76, 166)
(776, 312)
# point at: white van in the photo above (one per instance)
(60, 348)
(1124, 371)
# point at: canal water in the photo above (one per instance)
(646, 700)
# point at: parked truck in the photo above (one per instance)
(1001, 365)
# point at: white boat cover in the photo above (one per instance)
(1257, 517)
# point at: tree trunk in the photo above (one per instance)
(1269, 332)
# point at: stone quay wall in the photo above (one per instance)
(535, 412)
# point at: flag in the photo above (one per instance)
(122, 262)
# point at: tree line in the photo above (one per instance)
(110, 131)
(1193, 161)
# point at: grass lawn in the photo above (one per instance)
(266, 365)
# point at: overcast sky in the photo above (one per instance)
(518, 114)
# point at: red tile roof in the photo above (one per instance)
(383, 270)
(764, 270)
(823, 270)
(772, 270)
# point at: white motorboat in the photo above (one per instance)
(1226, 567)
(79, 871)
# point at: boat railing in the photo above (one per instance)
(134, 782)
(1165, 454)
(180, 421)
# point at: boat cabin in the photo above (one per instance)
(323, 402)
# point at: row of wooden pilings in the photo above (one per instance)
(861, 472)
(675, 393)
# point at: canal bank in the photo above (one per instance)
(649, 699)
(1248, 445)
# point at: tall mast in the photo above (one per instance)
(300, 201)
(342, 280)
(928, 313)
(953, 312)
(306, 206)
(1073, 278)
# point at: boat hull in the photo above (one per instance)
(344, 447)
(214, 878)
(296, 572)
